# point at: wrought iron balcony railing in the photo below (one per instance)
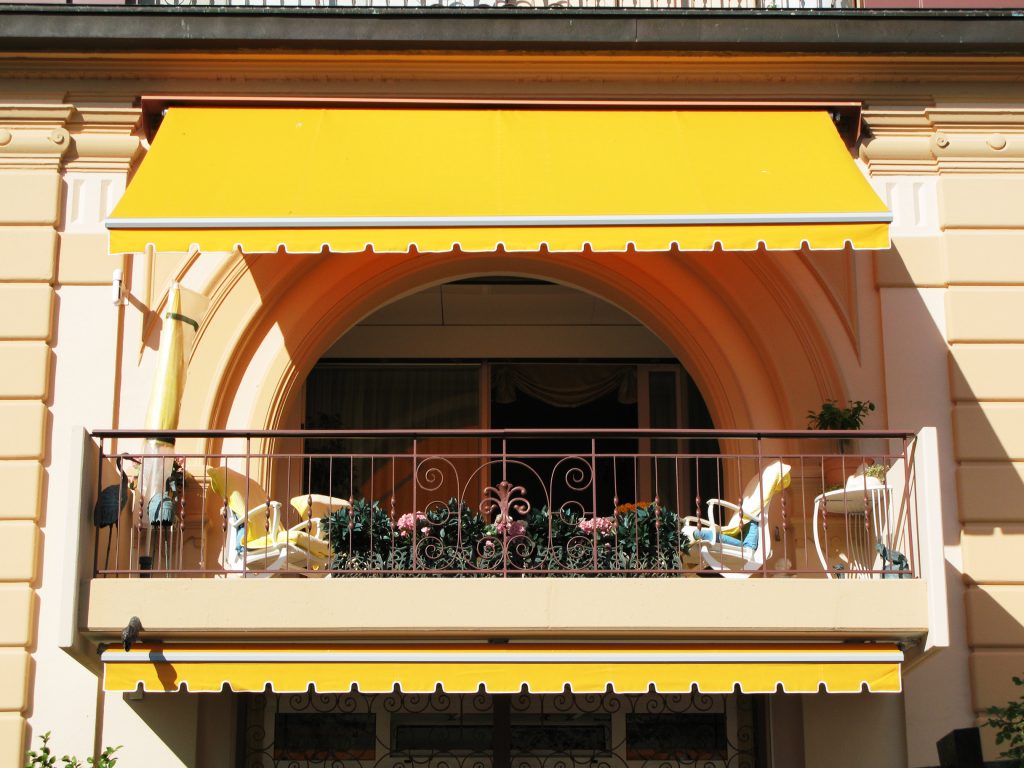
(387, 503)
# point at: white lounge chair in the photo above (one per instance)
(743, 543)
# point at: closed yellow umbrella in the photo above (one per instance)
(169, 381)
(159, 481)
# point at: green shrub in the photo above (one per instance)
(43, 758)
(831, 416)
(451, 537)
(1008, 722)
(363, 537)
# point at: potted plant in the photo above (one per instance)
(832, 416)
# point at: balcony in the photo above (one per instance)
(509, 503)
(508, 533)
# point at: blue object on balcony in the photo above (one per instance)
(895, 564)
(160, 509)
(750, 539)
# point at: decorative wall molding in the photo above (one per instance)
(913, 200)
(54, 136)
(159, 70)
(105, 139)
(33, 136)
(105, 147)
(934, 140)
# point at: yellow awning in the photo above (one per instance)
(507, 668)
(433, 180)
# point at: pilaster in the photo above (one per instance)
(975, 158)
(61, 169)
(34, 140)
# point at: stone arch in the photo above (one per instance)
(758, 354)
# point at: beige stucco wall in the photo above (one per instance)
(680, 608)
(934, 322)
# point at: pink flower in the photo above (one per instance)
(407, 523)
(512, 528)
(602, 526)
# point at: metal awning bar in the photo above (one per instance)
(511, 657)
(342, 222)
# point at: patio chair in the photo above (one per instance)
(257, 538)
(307, 535)
(735, 547)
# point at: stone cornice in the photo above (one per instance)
(93, 28)
(33, 136)
(320, 69)
(944, 140)
(104, 139)
(41, 136)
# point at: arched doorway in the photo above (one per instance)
(751, 344)
(509, 353)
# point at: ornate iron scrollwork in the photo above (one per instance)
(355, 730)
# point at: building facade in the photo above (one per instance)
(442, 379)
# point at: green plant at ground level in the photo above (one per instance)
(832, 416)
(43, 758)
(1008, 723)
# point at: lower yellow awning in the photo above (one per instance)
(347, 180)
(507, 668)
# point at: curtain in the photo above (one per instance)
(341, 396)
(393, 397)
(565, 386)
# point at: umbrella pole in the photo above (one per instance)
(106, 557)
(146, 560)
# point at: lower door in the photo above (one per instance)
(355, 730)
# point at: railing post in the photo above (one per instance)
(245, 531)
(415, 503)
(615, 512)
(763, 515)
(96, 530)
(503, 513)
(656, 501)
(181, 519)
(869, 514)
(593, 501)
(784, 515)
(911, 515)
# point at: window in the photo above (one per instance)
(323, 736)
(452, 733)
(676, 736)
